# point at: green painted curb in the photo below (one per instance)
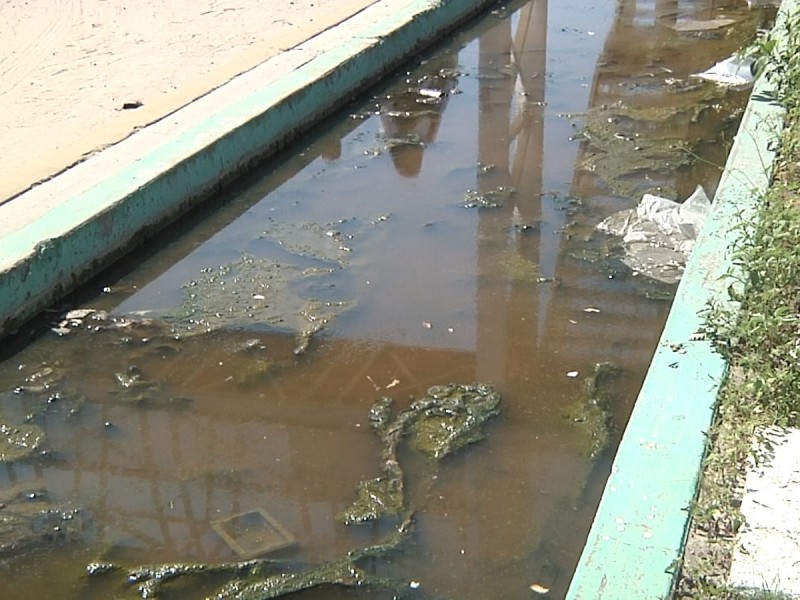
(73, 242)
(636, 542)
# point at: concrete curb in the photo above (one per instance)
(64, 231)
(637, 538)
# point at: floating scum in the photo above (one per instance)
(445, 420)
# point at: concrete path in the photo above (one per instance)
(63, 230)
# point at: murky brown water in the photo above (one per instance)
(221, 396)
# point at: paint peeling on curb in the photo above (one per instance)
(636, 542)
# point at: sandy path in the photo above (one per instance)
(67, 67)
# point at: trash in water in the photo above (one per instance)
(253, 533)
(659, 234)
(734, 71)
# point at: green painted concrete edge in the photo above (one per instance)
(87, 232)
(639, 532)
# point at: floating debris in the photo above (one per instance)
(539, 589)
(658, 236)
(735, 71)
(79, 314)
(494, 198)
(253, 533)
(19, 441)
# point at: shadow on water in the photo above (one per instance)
(440, 232)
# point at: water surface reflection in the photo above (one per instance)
(440, 233)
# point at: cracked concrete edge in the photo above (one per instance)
(115, 200)
(635, 546)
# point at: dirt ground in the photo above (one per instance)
(78, 75)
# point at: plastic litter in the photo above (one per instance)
(659, 234)
(734, 71)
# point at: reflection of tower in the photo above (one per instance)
(410, 120)
(510, 153)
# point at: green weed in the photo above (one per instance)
(758, 331)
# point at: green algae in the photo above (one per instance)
(255, 372)
(254, 292)
(260, 579)
(338, 573)
(591, 412)
(626, 141)
(635, 146)
(451, 416)
(520, 269)
(28, 520)
(376, 498)
(448, 418)
(309, 240)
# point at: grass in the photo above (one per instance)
(760, 340)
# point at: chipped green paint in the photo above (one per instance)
(637, 538)
(83, 233)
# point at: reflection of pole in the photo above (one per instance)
(511, 141)
(626, 13)
(494, 109)
(529, 53)
(666, 12)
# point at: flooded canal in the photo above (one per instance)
(218, 393)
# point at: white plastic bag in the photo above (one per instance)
(659, 234)
(734, 71)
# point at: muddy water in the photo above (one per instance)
(440, 231)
